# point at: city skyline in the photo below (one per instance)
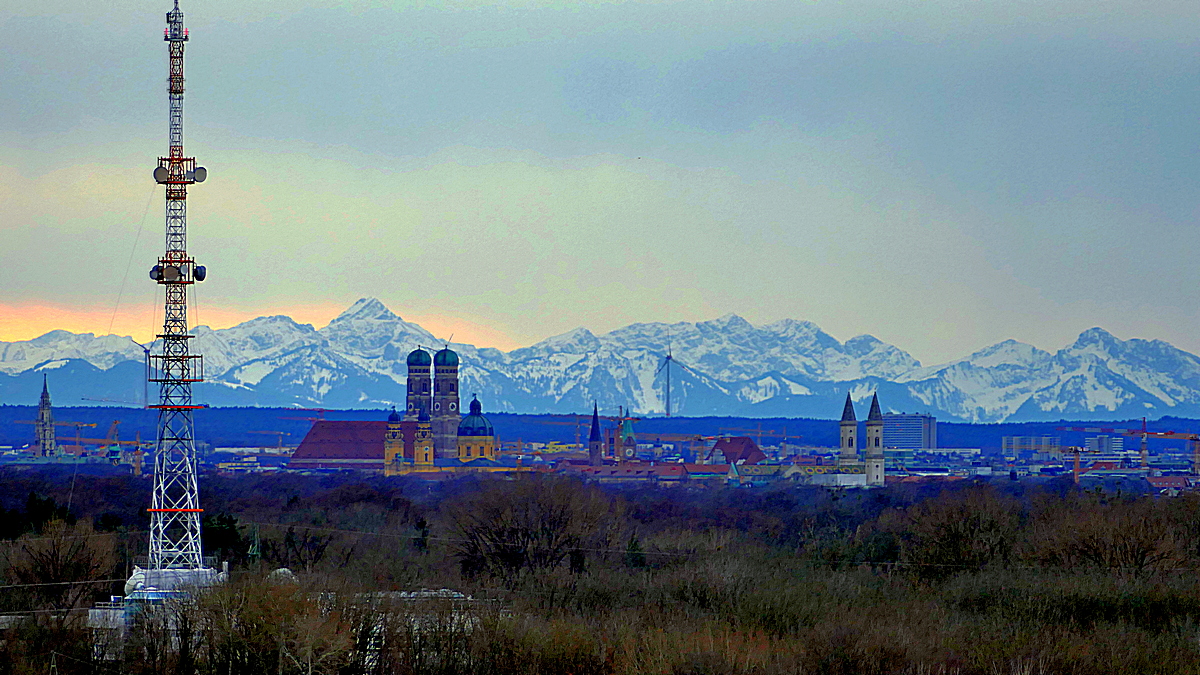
(938, 176)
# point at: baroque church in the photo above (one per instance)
(436, 396)
(430, 436)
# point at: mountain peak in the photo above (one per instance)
(729, 321)
(368, 309)
(1096, 337)
(579, 340)
(793, 328)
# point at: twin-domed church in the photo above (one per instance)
(431, 435)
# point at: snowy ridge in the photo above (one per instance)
(726, 366)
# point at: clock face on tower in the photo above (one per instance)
(629, 453)
(453, 407)
(437, 406)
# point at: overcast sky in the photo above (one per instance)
(940, 174)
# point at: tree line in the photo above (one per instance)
(558, 576)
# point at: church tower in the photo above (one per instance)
(445, 403)
(848, 454)
(419, 385)
(595, 441)
(44, 426)
(874, 452)
(423, 446)
(393, 445)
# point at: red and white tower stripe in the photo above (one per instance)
(175, 506)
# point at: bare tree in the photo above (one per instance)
(62, 566)
(961, 531)
(1127, 536)
(532, 523)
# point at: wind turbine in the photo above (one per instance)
(667, 360)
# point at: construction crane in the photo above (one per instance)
(281, 434)
(1192, 439)
(690, 439)
(78, 427)
(114, 436)
(319, 418)
(108, 400)
(758, 432)
(109, 441)
(1143, 433)
(612, 435)
(576, 421)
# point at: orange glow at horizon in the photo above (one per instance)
(19, 322)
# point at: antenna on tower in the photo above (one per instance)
(175, 561)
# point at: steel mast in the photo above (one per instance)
(175, 555)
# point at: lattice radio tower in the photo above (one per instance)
(175, 511)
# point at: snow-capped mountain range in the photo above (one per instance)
(721, 367)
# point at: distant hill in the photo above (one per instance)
(244, 427)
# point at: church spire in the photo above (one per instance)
(594, 437)
(47, 443)
(848, 411)
(875, 415)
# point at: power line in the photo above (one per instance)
(62, 583)
(78, 536)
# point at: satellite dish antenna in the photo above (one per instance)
(161, 175)
(200, 174)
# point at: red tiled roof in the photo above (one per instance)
(706, 469)
(1161, 482)
(329, 440)
(739, 449)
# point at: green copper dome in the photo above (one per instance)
(475, 424)
(418, 357)
(445, 357)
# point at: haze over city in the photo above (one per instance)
(940, 175)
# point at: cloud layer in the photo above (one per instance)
(940, 175)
